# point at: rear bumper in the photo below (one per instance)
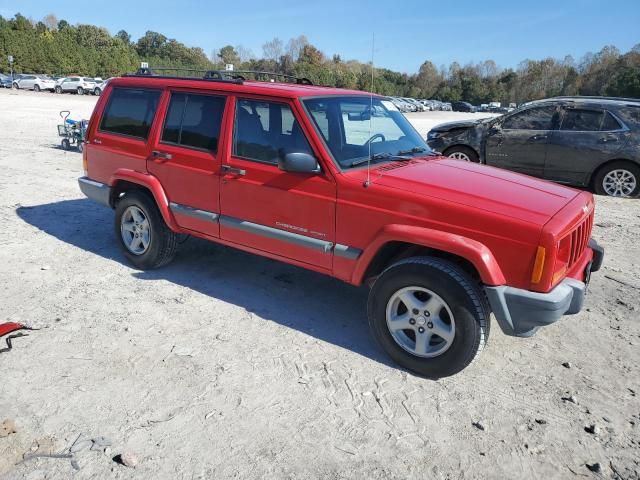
(96, 191)
(521, 312)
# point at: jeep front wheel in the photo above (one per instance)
(144, 237)
(429, 316)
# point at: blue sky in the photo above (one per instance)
(406, 32)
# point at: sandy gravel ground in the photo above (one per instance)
(227, 365)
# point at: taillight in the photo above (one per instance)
(563, 256)
(85, 164)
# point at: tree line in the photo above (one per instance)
(54, 46)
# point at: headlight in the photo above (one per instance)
(433, 134)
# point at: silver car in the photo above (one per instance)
(79, 85)
(34, 82)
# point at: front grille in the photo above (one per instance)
(579, 239)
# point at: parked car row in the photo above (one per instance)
(406, 104)
(57, 84)
(590, 142)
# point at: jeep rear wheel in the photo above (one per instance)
(429, 316)
(144, 237)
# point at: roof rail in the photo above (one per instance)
(230, 76)
(592, 97)
(265, 76)
(183, 73)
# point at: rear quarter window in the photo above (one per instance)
(130, 112)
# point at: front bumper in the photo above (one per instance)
(521, 313)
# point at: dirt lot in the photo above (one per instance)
(227, 365)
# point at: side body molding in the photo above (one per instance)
(473, 251)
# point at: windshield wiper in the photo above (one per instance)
(379, 156)
(412, 150)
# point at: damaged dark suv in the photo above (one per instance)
(583, 141)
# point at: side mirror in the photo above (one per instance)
(298, 162)
(359, 117)
(495, 128)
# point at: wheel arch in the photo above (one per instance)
(397, 242)
(124, 181)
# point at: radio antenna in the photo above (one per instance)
(368, 181)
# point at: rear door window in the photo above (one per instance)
(539, 118)
(130, 112)
(194, 121)
(582, 120)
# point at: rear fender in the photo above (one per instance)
(153, 185)
(471, 250)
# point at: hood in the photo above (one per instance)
(444, 127)
(481, 187)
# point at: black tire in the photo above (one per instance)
(36, 88)
(80, 91)
(16, 86)
(80, 146)
(66, 144)
(457, 289)
(58, 89)
(163, 242)
(630, 167)
(96, 92)
(466, 151)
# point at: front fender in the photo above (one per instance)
(473, 251)
(153, 185)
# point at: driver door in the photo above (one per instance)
(287, 214)
(520, 141)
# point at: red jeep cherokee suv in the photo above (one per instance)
(339, 182)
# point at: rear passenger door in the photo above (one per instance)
(587, 138)
(184, 158)
(291, 215)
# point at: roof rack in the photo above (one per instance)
(229, 76)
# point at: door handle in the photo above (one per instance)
(97, 141)
(229, 170)
(161, 156)
(608, 138)
(535, 138)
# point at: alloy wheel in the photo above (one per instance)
(135, 230)
(460, 156)
(619, 183)
(420, 322)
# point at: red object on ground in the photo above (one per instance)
(11, 327)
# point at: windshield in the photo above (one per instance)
(357, 129)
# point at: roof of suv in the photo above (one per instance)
(613, 101)
(287, 90)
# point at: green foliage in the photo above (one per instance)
(54, 46)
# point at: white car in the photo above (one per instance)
(34, 82)
(79, 85)
(99, 88)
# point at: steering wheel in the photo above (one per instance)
(373, 137)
